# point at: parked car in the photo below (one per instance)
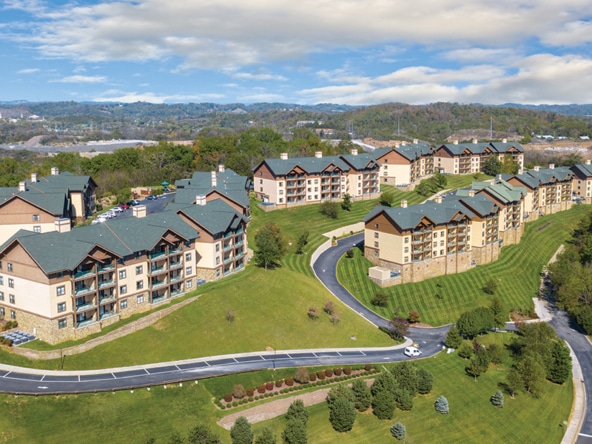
(133, 202)
(124, 206)
(412, 352)
(116, 210)
(151, 197)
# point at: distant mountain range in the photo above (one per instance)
(63, 108)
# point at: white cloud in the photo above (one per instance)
(257, 76)
(28, 71)
(82, 79)
(233, 33)
(543, 78)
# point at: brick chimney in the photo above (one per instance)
(221, 168)
(415, 141)
(22, 186)
(318, 154)
(551, 166)
(403, 204)
(475, 141)
(33, 177)
(200, 199)
(438, 199)
(354, 151)
(214, 178)
(63, 225)
(537, 168)
(284, 156)
(471, 193)
(455, 142)
(504, 140)
(55, 171)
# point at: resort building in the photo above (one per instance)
(405, 164)
(549, 190)
(51, 203)
(582, 181)
(288, 182)
(62, 286)
(444, 236)
(469, 158)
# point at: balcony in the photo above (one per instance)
(176, 278)
(156, 255)
(108, 314)
(84, 273)
(85, 307)
(177, 292)
(106, 283)
(84, 323)
(158, 284)
(228, 246)
(228, 259)
(175, 265)
(84, 290)
(107, 267)
(107, 298)
(158, 270)
(175, 250)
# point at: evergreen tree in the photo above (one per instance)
(441, 405)
(498, 399)
(201, 434)
(347, 203)
(241, 432)
(383, 406)
(532, 373)
(453, 337)
(295, 432)
(403, 399)
(560, 368)
(499, 313)
(176, 438)
(297, 412)
(362, 395)
(425, 381)
(342, 414)
(266, 437)
(514, 381)
(398, 431)
(384, 382)
(405, 374)
(341, 391)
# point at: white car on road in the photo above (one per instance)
(412, 352)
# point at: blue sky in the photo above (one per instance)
(356, 52)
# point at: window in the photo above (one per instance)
(281, 184)
(0, 265)
(139, 285)
(218, 260)
(37, 229)
(406, 250)
(36, 217)
(61, 307)
(11, 298)
(11, 282)
(441, 243)
(9, 266)
(123, 303)
(122, 274)
(188, 270)
(123, 289)
(61, 290)
(406, 259)
(442, 252)
(1, 295)
(406, 240)
(376, 234)
(2, 313)
(218, 273)
(62, 323)
(187, 256)
(140, 299)
(376, 244)
(1, 280)
(217, 248)
(12, 314)
(189, 283)
(139, 269)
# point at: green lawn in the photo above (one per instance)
(472, 418)
(441, 300)
(135, 417)
(270, 310)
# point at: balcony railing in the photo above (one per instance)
(106, 283)
(86, 306)
(105, 299)
(157, 255)
(159, 284)
(84, 290)
(84, 273)
(175, 265)
(176, 278)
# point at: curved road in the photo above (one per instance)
(32, 381)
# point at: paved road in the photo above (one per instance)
(30, 381)
(567, 329)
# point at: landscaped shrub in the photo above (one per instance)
(251, 399)
(337, 371)
(347, 370)
(279, 383)
(321, 374)
(250, 391)
(269, 386)
(367, 367)
(329, 373)
(229, 405)
(498, 399)
(234, 403)
(289, 381)
(312, 377)
(261, 388)
(398, 431)
(441, 405)
(228, 397)
(301, 375)
(238, 391)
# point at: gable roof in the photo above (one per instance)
(228, 183)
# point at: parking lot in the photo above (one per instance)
(152, 206)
